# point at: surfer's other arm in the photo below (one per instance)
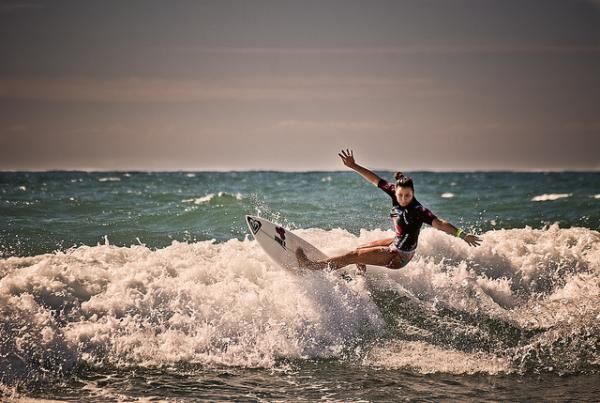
(347, 157)
(450, 229)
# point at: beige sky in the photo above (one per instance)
(235, 85)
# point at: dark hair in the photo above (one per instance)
(404, 181)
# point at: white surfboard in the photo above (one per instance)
(280, 244)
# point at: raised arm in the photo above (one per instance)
(448, 228)
(347, 157)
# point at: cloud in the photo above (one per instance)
(447, 48)
(14, 131)
(18, 128)
(147, 90)
(346, 125)
(14, 7)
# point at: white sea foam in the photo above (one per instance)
(200, 200)
(109, 179)
(227, 304)
(447, 195)
(597, 196)
(190, 175)
(207, 303)
(22, 188)
(211, 196)
(427, 359)
(551, 196)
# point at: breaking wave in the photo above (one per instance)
(209, 197)
(524, 301)
(551, 197)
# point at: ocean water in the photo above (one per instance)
(120, 286)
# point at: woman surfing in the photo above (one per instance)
(408, 215)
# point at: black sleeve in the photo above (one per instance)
(426, 215)
(387, 187)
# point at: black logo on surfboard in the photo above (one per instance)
(254, 225)
(281, 238)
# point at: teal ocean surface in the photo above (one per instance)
(43, 212)
(147, 285)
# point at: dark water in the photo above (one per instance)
(315, 381)
(127, 286)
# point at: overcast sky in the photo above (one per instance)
(253, 84)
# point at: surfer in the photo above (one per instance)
(408, 215)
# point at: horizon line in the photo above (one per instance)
(93, 170)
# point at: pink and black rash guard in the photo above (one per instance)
(407, 221)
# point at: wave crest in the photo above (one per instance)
(513, 301)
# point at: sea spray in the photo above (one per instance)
(523, 301)
(528, 296)
(203, 303)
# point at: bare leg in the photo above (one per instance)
(362, 268)
(377, 256)
(381, 242)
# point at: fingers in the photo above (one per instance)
(346, 153)
(347, 157)
(473, 240)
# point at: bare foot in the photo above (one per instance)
(305, 262)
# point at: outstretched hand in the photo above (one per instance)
(472, 240)
(347, 157)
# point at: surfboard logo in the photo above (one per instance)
(254, 225)
(281, 238)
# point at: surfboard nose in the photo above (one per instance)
(253, 223)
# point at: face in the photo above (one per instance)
(404, 195)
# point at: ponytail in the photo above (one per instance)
(404, 181)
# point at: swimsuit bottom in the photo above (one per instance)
(401, 256)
